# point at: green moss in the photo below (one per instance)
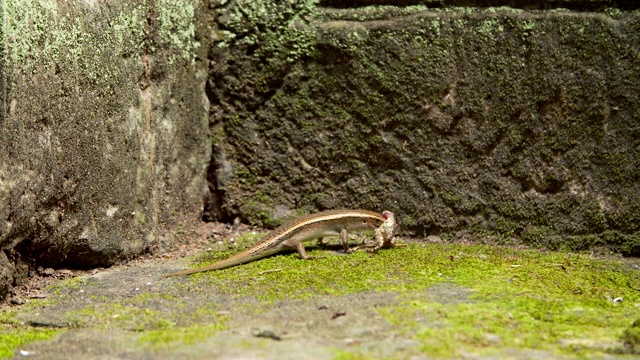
(630, 246)
(345, 355)
(259, 211)
(108, 315)
(41, 35)
(417, 267)
(13, 335)
(245, 176)
(521, 323)
(11, 340)
(490, 26)
(605, 242)
(258, 214)
(524, 300)
(169, 335)
(362, 77)
(631, 338)
(216, 133)
(67, 285)
(556, 302)
(536, 235)
(185, 324)
(621, 165)
(245, 240)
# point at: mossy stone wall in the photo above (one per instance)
(520, 124)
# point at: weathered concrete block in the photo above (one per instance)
(103, 135)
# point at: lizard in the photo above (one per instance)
(292, 235)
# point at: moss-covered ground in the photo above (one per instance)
(13, 334)
(445, 300)
(522, 299)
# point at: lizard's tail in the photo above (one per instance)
(237, 259)
(217, 266)
(185, 272)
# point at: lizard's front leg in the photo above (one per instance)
(345, 241)
(303, 253)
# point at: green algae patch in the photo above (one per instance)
(13, 335)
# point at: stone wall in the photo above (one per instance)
(518, 124)
(103, 134)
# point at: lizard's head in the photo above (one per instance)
(373, 222)
(377, 222)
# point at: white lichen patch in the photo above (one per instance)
(111, 210)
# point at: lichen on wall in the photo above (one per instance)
(41, 35)
(177, 29)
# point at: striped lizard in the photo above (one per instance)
(292, 235)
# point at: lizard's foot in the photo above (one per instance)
(364, 246)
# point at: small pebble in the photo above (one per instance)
(351, 342)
